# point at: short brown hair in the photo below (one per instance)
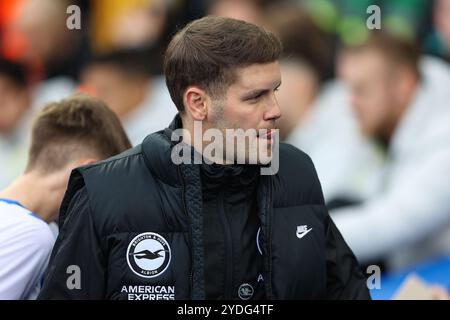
(207, 51)
(397, 50)
(79, 125)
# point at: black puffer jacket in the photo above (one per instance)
(131, 227)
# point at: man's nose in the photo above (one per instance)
(274, 111)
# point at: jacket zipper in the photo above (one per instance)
(228, 250)
(268, 230)
(191, 271)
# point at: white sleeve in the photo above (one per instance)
(415, 204)
(24, 257)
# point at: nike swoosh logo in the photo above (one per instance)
(301, 235)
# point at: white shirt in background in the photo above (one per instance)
(154, 114)
(408, 220)
(25, 246)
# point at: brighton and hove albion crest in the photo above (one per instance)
(148, 255)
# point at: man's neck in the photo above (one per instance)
(30, 191)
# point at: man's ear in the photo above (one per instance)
(406, 84)
(196, 103)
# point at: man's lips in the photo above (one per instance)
(266, 134)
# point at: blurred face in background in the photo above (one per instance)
(121, 91)
(379, 90)
(296, 96)
(246, 10)
(43, 23)
(442, 20)
(140, 26)
(14, 102)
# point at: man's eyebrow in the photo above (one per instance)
(258, 92)
(255, 93)
(278, 84)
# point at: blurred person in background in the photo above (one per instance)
(118, 24)
(41, 40)
(48, 41)
(66, 135)
(315, 116)
(438, 41)
(247, 10)
(38, 46)
(401, 100)
(141, 26)
(15, 120)
(129, 83)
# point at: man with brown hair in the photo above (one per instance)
(146, 226)
(401, 100)
(67, 134)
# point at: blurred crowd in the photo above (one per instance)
(371, 108)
